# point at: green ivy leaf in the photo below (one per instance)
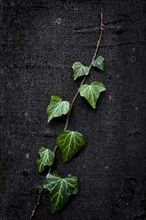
(57, 107)
(92, 92)
(69, 143)
(99, 63)
(46, 158)
(60, 189)
(79, 70)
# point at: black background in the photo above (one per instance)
(40, 40)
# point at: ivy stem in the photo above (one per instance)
(71, 106)
(90, 66)
(40, 193)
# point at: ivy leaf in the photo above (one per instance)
(69, 143)
(79, 70)
(99, 63)
(46, 158)
(57, 107)
(92, 92)
(60, 189)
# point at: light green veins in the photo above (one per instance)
(99, 63)
(46, 158)
(79, 70)
(91, 92)
(69, 143)
(57, 107)
(60, 189)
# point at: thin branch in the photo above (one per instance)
(37, 204)
(68, 116)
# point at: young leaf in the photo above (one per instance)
(46, 158)
(57, 107)
(92, 92)
(60, 189)
(69, 143)
(99, 63)
(79, 70)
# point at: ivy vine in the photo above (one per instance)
(68, 142)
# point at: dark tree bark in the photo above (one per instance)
(40, 40)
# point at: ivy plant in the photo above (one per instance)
(79, 70)
(68, 142)
(57, 107)
(46, 158)
(60, 189)
(92, 91)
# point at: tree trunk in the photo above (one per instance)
(40, 40)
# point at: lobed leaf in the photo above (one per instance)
(79, 70)
(69, 143)
(60, 189)
(57, 107)
(92, 92)
(46, 158)
(99, 63)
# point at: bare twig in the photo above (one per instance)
(72, 103)
(37, 204)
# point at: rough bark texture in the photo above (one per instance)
(40, 40)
